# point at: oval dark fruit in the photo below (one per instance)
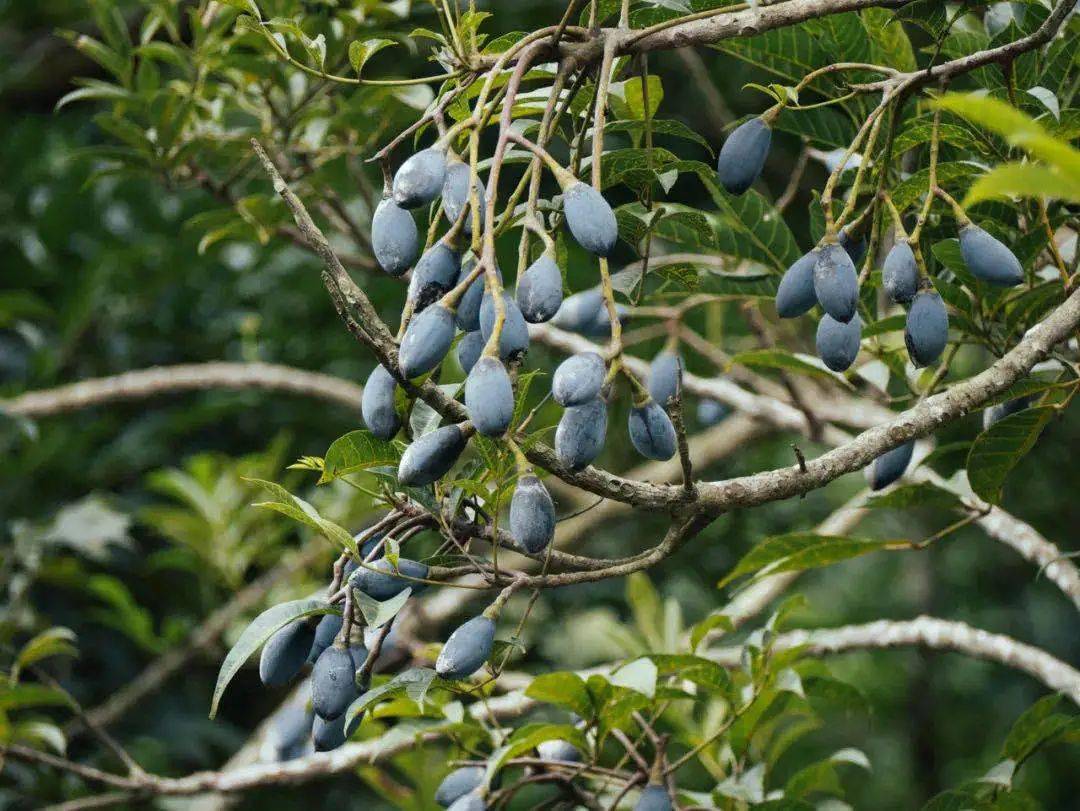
(431, 456)
(927, 329)
(743, 155)
(837, 342)
(455, 194)
(469, 350)
(333, 682)
(532, 514)
(420, 179)
(653, 798)
(473, 801)
(381, 580)
(665, 374)
(890, 466)
(558, 750)
(426, 341)
(395, 240)
(836, 285)
(578, 379)
(466, 649)
(325, 634)
(651, 431)
(489, 397)
(590, 219)
(854, 246)
(1003, 410)
(540, 290)
(285, 653)
(796, 295)
(459, 783)
(514, 338)
(900, 273)
(579, 311)
(377, 405)
(581, 433)
(988, 258)
(435, 274)
(710, 411)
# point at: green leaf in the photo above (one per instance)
(639, 676)
(414, 683)
(53, 642)
(377, 614)
(668, 127)
(799, 551)
(361, 52)
(781, 359)
(1023, 180)
(93, 90)
(299, 510)
(1017, 128)
(529, 737)
(919, 494)
(1038, 725)
(631, 105)
(23, 696)
(264, 626)
(996, 452)
(717, 619)
(562, 689)
(889, 41)
(246, 6)
(357, 450)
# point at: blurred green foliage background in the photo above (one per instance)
(130, 522)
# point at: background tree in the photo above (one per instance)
(927, 144)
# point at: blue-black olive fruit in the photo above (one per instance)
(890, 466)
(394, 238)
(431, 456)
(743, 155)
(900, 274)
(540, 290)
(837, 342)
(285, 653)
(514, 338)
(927, 329)
(381, 580)
(651, 431)
(665, 373)
(532, 514)
(988, 258)
(590, 218)
(836, 283)
(469, 350)
(426, 341)
(377, 404)
(581, 432)
(796, 295)
(578, 379)
(466, 649)
(420, 179)
(489, 397)
(333, 682)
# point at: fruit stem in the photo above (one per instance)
(961, 216)
(924, 213)
(492, 611)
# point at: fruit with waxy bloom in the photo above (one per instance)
(742, 157)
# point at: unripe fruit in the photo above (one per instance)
(420, 179)
(514, 338)
(426, 341)
(558, 750)
(384, 583)
(854, 246)
(590, 219)
(532, 515)
(837, 342)
(900, 274)
(1003, 410)
(651, 431)
(394, 238)
(290, 731)
(333, 682)
(377, 404)
(285, 653)
(710, 412)
(579, 311)
(431, 456)
(469, 350)
(836, 284)
(329, 735)
(578, 379)
(435, 274)
(927, 329)
(581, 432)
(743, 155)
(539, 290)
(467, 649)
(458, 783)
(665, 372)
(469, 802)
(489, 397)
(988, 259)
(455, 194)
(796, 295)
(653, 798)
(325, 634)
(890, 466)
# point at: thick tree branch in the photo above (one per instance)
(186, 377)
